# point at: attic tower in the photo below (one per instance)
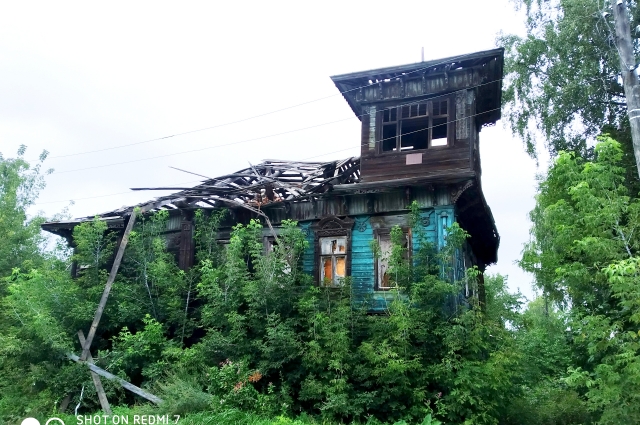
(422, 120)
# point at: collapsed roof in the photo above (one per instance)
(274, 182)
(271, 181)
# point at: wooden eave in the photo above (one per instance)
(474, 215)
(349, 84)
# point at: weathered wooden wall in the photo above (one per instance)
(371, 212)
(434, 84)
(436, 162)
(354, 204)
(439, 162)
(308, 258)
(362, 260)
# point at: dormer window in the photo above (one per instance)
(414, 127)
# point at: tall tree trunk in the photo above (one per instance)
(628, 70)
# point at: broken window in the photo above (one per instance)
(333, 260)
(439, 125)
(415, 126)
(383, 237)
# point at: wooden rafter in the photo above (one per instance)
(254, 187)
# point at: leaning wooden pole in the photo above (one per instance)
(628, 70)
(126, 385)
(102, 396)
(105, 294)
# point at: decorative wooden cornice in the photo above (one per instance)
(333, 226)
(457, 190)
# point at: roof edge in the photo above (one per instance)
(425, 64)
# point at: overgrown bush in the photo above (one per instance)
(245, 330)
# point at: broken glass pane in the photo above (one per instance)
(325, 246)
(327, 269)
(341, 266)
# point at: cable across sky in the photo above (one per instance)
(432, 65)
(303, 159)
(246, 140)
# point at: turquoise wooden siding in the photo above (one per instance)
(444, 218)
(362, 257)
(434, 220)
(308, 258)
(429, 226)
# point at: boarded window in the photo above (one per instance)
(333, 260)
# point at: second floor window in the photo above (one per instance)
(414, 127)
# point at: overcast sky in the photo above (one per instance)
(82, 79)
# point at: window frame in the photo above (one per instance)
(333, 256)
(269, 244)
(380, 124)
(331, 227)
(386, 232)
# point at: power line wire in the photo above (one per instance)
(304, 159)
(261, 137)
(100, 196)
(240, 120)
(201, 149)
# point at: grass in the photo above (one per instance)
(227, 417)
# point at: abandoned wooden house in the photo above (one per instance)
(420, 142)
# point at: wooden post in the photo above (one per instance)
(126, 385)
(105, 294)
(482, 295)
(185, 260)
(65, 403)
(102, 396)
(628, 71)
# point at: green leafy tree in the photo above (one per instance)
(562, 78)
(20, 184)
(545, 346)
(583, 253)
(583, 221)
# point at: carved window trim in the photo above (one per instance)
(331, 226)
(333, 263)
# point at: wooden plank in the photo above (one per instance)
(185, 260)
(102, 396)
(110, 376)
(433, 160)
(390, 183)
(65, 403)
(107, 288)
